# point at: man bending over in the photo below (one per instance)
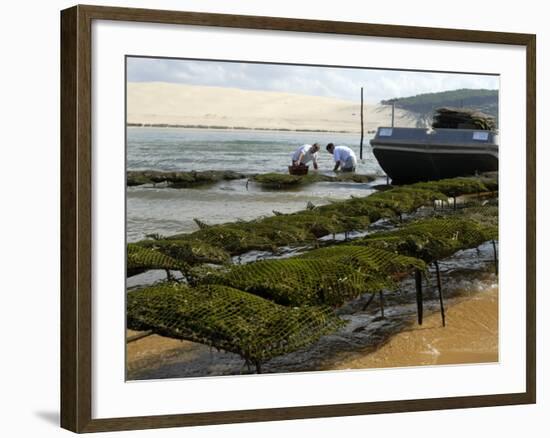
(304, 154)
(344, 158)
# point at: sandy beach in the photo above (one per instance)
(179, 104)
(470, 336)
(153, 349)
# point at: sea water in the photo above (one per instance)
(169, 211)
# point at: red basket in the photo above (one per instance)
(298, 170)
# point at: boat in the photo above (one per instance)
(421, 154)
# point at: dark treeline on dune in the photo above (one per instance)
(424, 105)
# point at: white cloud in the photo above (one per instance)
(343, 83)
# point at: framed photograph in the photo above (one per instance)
(270, 218)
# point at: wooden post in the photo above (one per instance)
(392, 114)
(362, 131)
(419, 299)
(440, 292)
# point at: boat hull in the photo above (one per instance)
(407, 166)
(417, 154)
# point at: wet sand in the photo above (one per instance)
(152, 349)
(470, 336)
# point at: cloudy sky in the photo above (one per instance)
(343, 83)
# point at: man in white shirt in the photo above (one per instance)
(306, 153)
(344, 158)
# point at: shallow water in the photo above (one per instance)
(170, 211)
(239, 150)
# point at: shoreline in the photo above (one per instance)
(471, 336)
(243, 128)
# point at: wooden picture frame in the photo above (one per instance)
(76, 217)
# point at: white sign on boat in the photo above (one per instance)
(481, 135)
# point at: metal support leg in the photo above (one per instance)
(441, 305)
(382, 303)
(368, 302)
(419, 298)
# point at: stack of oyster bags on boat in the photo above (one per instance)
(461, 118)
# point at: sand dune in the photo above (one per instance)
(178, 104)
